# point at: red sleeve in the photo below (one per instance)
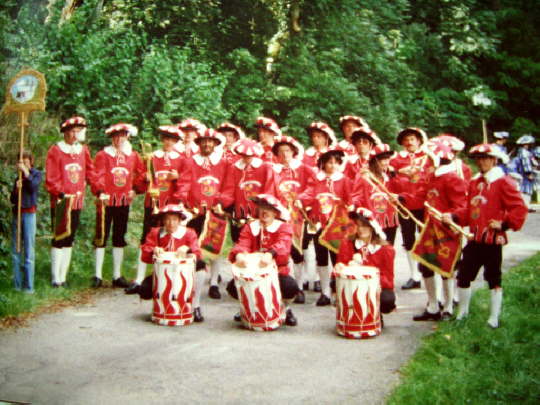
(227, 191)
(147, 248)
(515, 208)
(270, 181)
(99, 167)
(53, 173)
(139, 175)
(360, 192)
(91, 176)
(282, 247)
(193, 243)
(308, 196)
(385, 263)
(346, 252)
(244, 245)
(456, 189)
(183, 184)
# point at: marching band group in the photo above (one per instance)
(279, 197)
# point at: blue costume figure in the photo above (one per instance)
(31, 179)
(500, 143)
(524, 164)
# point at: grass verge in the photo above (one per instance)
(467, 362)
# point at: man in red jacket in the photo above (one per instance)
(201, 188)
(494, 206)
(269, 233)
(68, 167)
(160, 182)
(118, 169)
(410, 165)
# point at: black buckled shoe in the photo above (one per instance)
(317, 286)
(446, 316)
(427, 316)
(55, 285)
(237, 317)
(290, 319)
(305, 286)
(410, 284)
(96, 282)
(214, 293)
(323, 301)
(120, 282)
(197, 316)
(132, 289)
(300, 298)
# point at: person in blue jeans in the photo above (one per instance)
(31, 179)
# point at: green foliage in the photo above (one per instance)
(467, 362)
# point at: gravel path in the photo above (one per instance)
(109, 352)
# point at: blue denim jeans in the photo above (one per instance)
(24, 280)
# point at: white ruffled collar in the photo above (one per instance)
(255, 163)
(178, 234)
(321, 175)
(405, 153)
(295, 164)
(73, 149)
(126, 149)
(371, 248)
(494, 174)
(160, 153)
(256, 226)
(214, 158)
(444, 169)
(311, 151)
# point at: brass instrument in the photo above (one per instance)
(153, 192)
(452, 225)
(402, 211)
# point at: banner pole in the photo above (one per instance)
(22, 118)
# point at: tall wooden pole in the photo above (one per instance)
(23, 123)
(484, 131)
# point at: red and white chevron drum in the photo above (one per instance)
(173, 290)
(358, 295)
(259, 294)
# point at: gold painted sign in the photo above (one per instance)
(26, 92)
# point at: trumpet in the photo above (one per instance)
(402, 211)
(452, 225)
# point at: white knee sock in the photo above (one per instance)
(448, 289)
(215, 267)
(433, 304)
(495, 308)
(439, 288)
(100, 256)
(66, 260)
(324, 275)
(464, 301)
(413, 267)
(299, 273)
(141, 270)
(56, 261)
(118, 258)
(200, 278)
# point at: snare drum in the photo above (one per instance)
(259, 294)
(173, 290)
(358, 294)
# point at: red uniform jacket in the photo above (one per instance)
(67, 169)
(292, 180)
(163, 163)
(117, 173)
(319, 192)
(366, 195)
(380, 256)
(410, 168)
(268, 155)
(276, 239)
(443, 190)
(493, 196)
(157, 237)
(311, 157)
(244, 182)
(355, 164)
(204, 180)
(346, 147)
